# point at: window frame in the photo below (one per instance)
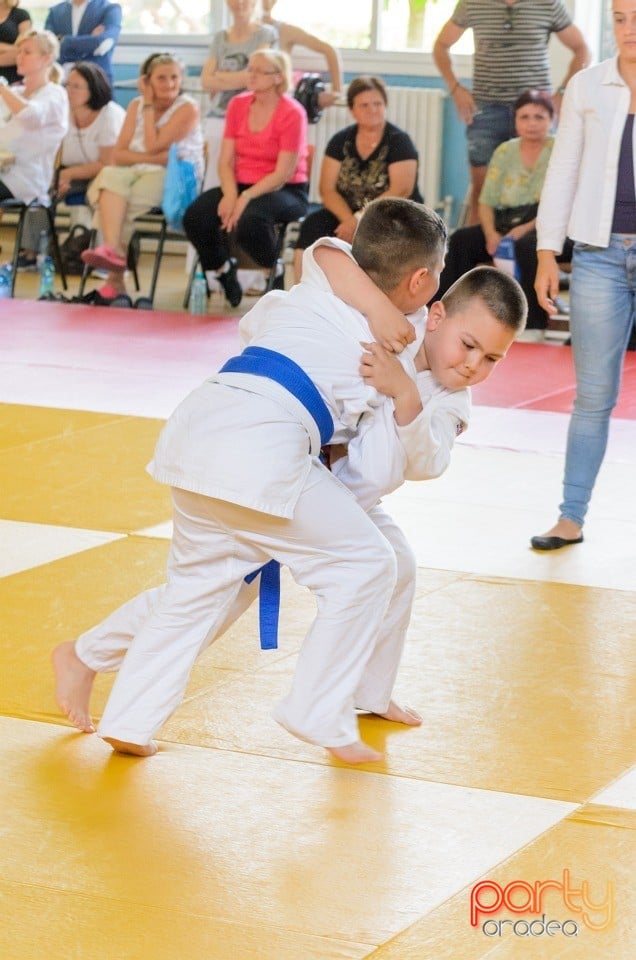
(132, 48)
(371, 60)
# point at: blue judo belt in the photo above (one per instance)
(261, 362)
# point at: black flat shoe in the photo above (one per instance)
(553, 543)
(231, 286)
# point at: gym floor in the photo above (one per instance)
(237, 841)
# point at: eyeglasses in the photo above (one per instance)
(509, 21)
(262, 73)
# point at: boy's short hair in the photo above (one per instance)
(396, 237)
(501, 294)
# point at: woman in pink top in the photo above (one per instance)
(263, 174)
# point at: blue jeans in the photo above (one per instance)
(602, 300)
(492, 124)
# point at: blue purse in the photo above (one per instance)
(179, 190)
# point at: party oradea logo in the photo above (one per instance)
(550, 908)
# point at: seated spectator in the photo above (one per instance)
(133, 185)
(290, 36)
(263, 171)
(87, 31)
(34, 120)
(224, 73)
(508, 204)
(14, 22)
(372, 158)
(95, 123)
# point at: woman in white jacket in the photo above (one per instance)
(34, 121)
(589, 195)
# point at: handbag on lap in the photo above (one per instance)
(508, 217)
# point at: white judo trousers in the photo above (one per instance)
(329, 545)
(102, 648)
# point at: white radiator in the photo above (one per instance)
(416, 110)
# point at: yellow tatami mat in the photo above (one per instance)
(595, 849)
(238, 842)
(89, 468)
(246, 840)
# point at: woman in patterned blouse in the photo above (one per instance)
(372, 158)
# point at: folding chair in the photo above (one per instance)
(21, 209)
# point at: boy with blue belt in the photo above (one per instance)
(268, 496)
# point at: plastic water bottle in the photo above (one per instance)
(5, 281)
(199, 295)
(43, 250)
(47, 277)
(504, 258)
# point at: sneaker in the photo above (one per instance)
(231, 286)
(108, 292)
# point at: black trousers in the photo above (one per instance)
(5, 193)
(318, 223)
(255, 231)
(467, 249)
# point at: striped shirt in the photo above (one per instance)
(511, 44)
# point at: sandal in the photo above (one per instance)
(104, 258)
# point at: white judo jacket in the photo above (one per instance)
(382, 455)
(247, 440)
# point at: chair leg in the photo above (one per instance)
(55, 246)
(86, 271)
(18, 243)
(193, 272)
(132, 257)
(158, 257)
(280, 243)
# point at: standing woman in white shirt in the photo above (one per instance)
(589, 194)
(35, 118)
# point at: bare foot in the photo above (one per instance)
(401, 715)
(567, 529)
(135, 749)
(357, 752)
(73, 686)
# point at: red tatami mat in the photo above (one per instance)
(143, 362)
(59, 332)
(137, 362)
(537, 376)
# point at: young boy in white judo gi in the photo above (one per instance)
(372, 700)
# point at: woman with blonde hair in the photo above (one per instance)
(160, 117)
(35, 119)
(263, 172)
(14, 23)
